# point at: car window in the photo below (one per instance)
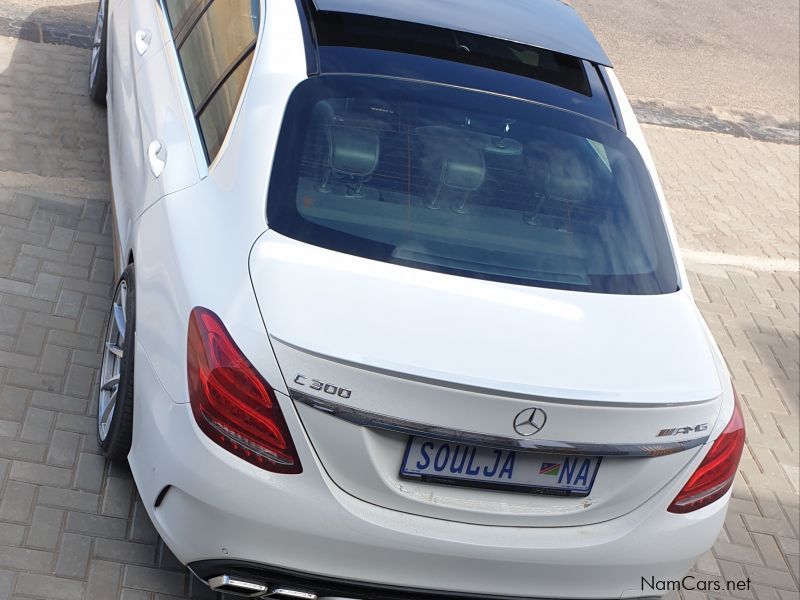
(216, 54)
(363, 31)
(218, 40)
(463, 182)
(216, 117)
(178, 11)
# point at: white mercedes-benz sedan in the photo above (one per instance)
(400, 310)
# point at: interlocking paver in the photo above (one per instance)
(17, 502)
(72, 528)
(6, 583)
(37, 425)
(63, 448)
(70, 499)
(154, 580)
(13, 557)
(40, 474)
(89, 472)
(97, 525)
(21, 450)
(123, 551)
(73, 556)
(45, 528)
(118, 497)
(53, 588)
(12, 534)
(104, 580)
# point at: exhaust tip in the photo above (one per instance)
(282, 592)
(236, 585)
(253, 589)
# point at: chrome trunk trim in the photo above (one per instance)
(372, 420)
(542, 396)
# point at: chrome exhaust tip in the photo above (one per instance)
(236, 585)
(253, 589)
(282, 592)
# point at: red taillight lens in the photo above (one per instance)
(714, 477)
(231, 402)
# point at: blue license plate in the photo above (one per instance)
(450, 463)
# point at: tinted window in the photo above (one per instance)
(343, 29)
(179, 10)
(457, 181)
(221, 36)
(216, 117)
(216, 55)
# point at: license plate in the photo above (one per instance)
(435, 461)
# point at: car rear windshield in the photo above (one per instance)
(467, 183)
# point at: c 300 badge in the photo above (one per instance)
(321, 386)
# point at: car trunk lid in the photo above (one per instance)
(365, 346)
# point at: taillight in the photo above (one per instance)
(714, 477)
(231, 402)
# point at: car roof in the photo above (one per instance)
(548, 24)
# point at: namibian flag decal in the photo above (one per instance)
(550, 469)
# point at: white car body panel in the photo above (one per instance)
(138, 117)
(580, 357)
(186, 250)
(517, 339)
(199, 237)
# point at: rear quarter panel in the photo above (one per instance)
(192, 247)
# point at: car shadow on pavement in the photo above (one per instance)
(48, 126)
(71, 25)
(71, 525)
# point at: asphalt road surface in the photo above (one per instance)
(722, 56)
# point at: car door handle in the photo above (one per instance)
(142, 40)
(157, 157)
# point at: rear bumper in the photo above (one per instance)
(327, 587)
(217, 507)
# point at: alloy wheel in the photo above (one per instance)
(112, 360)
(97, 42)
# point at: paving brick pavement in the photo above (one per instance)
(71, 527)
(730, 194)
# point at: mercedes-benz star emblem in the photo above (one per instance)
(530, 421)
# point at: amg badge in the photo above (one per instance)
(682, 430)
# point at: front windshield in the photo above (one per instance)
(467, 183)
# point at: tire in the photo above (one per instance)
(115, 394)
(98, 71)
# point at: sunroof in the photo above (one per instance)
(361, 31)
(549, 24)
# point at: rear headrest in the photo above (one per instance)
(353, 151)
(463, 168)
(561, 168)
(570, 179)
